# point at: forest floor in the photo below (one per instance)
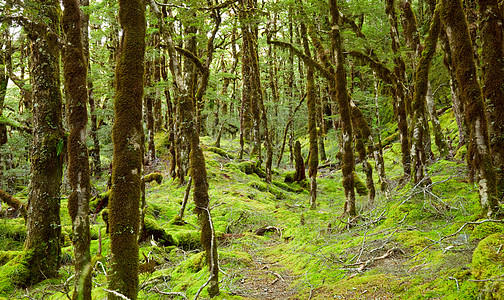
(423, 242)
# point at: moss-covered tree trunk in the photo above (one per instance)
(364, 143)
(149, 111)
(75, 75)
(493, 81)
(478, 154)
(94, 151)
(420, 126)
(311, 101)
(400, 106)
(43, 229)
(128, 139)
(4, 79)
(458, 107)
(343, 99)
(378, 152)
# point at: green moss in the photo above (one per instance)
(220, 152)
(461, 152)
(360, 186)
(264, 187)
(188, 239)
(15, 273)
(485, 229)
(157, 177)
(487, 264)
(6, 256)
(286, 187)
(153, 230)
(251, 167)
(99, 202)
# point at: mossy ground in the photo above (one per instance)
(398, 248)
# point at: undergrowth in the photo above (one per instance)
(414, 245)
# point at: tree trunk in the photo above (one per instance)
(128, 138)
(94, 152)
(311, 101)
(478, 153)
(400, 107)
(378, 152)
(493, 81)
(420, 125)
(342, 97)
(42, 245)
(75, 75)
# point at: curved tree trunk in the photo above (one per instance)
(75, 75)
(128, 138)
(478, 154)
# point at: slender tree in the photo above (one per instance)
(75, 75)
(128, 138)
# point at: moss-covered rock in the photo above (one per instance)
(250, 167)
(488, 264)
(157, 177)
(188, 239)
(156, 232)
(264, 187)
(286, 187)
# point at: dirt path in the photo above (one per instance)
(265, 280)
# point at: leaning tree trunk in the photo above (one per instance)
(493, 81)
(42, 246)
(128, 138)
(75, 75)
(478, 152)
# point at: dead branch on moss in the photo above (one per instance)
(13, 202)
(455, 233)
(364, 264)
(262, 231)
(157, 290)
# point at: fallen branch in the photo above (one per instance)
(364, 264)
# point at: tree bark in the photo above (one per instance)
(478, 154)
(128, 138)
(492, 56)
(420, 125)
(311, 101)
(400, 107)
(42, 247)
(343, 99)
(75, 75)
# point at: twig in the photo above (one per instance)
(456, 281)
(117, 294)
(496, 278)
(156, 289)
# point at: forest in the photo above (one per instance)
(251, 149)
